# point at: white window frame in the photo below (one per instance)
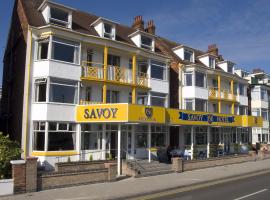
(189, 101)
(190, 52)
(145, 46)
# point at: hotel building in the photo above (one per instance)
(259, 102)
(78, 86)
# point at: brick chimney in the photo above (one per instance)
(150, 28)
(212, 49)
(138, 23)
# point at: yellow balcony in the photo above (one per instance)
(225, 94)
(115, 74)
(85, 102)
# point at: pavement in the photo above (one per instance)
(135, 187)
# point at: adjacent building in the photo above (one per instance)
(80, 86)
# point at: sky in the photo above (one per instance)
(240, 28)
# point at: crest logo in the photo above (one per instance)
(210, 118)
(255, 120)
(148, 112)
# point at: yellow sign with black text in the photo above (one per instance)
(120, 113)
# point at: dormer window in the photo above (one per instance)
(56, 14)
(188, 55)
(146, 42)
(230, 69)
(108, 31)
(59, 17)
(211, 62)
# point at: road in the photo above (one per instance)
(252, 188)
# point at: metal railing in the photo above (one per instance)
(224, 94)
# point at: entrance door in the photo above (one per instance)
(227, 139)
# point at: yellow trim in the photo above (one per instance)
(27, 96)
(219, 95)
(105, 73)
(45, 34)
(233, 108)
(54, 153)
(134, 79)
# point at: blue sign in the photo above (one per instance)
(206, 118)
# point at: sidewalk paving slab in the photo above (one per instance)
(139, 186)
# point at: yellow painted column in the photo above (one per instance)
(134, 96)
(105, 72)
(232, 94)
(219, 95)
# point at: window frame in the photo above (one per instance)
(146, 46)
(160, 65)
(191, 53)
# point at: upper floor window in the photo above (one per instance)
(65, 50)
(200, 105)
(264, 94)
(188, 79)
(40, 90)
(199, 79)
(142, 98)
(241, 89)
(158, 99)
(59, 17)
(188, 55)
(43, 47)
(113, 96)
(264, 114)
(108, 31)
(189, 104)
(158, 70)
(146, 42)
(230, 69)
(211, 62)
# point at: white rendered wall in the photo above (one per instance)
(137, 40)
(159, 86)
(180, 53)
(195, 92)
(99, 28)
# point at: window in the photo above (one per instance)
(40, 90)
(89, 56)
(61, 136)
(242, 110)
(65, 50)
(158, 136)
(142, 98)
(200, 105)
(141, 136)
(158, 70)
(215, 107)
(88, 94)
(43, 46)
(188, 104)
(200, 135)
(187, 136)
(230, 68)
(211, 62)
(188, 55)
(108, 31)
(39, 136)
(199, 79)
(188, 79)
(91, 137)
(244, 135)
(215, 135)
(215, 83)
(158, 99)
(63, 91)
(264, 95)
(241, 89)
(113, 97)
(265, 114)
(146, 42)
(256, 112)
(59, 17)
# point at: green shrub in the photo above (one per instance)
(9, 150)
(90, 157)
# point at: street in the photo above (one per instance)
(251, 188)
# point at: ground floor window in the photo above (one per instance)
(215, 132)
(200, 135)
(158, 136)
(141, 136)
(91, 136)
(61, 136)
(39, 136)
(187, 136)
(244, 135)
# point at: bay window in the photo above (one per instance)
(189, 104)
(61, 136)
(158, 99)
(39, 136)
(63, 91)
(188, 79)
(158, 70)
(43, 47)
(199, 79)
(200, 105)
(264, 114)
(64, 50)
(40, 90)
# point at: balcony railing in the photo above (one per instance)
(224, 94)
(116, 74)
(85, 102)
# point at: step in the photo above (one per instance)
(154, 173)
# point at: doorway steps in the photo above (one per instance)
(143, 168)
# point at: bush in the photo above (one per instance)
(9, 150)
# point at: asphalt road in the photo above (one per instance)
(252, 188)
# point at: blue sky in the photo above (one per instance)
(240, 28)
